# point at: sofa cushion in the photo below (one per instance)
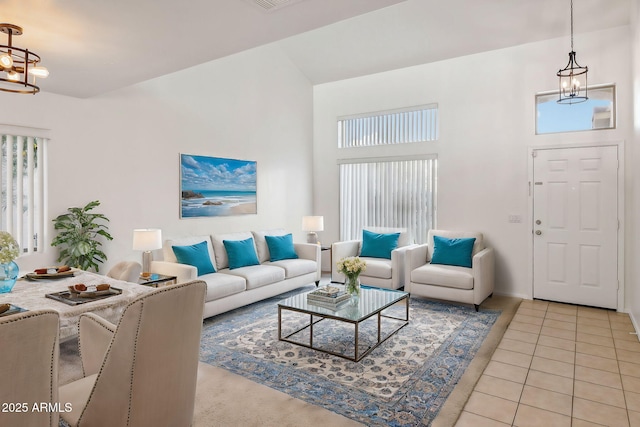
(222, 285)
(241, 253)
(443, 275)
(222, 261)
(377, 267)
(281, 247)
(257, 275)
(167, 250)
(452, 251)
(378, 245)
(296, 267)
(196, 255)
(261, 243)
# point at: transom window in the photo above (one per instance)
(414, 124)
(598, 112)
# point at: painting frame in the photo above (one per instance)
(217, 186)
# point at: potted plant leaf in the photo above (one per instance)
(78, 237)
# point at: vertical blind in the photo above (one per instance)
(23, 189)
(417, 124)
(398, 193)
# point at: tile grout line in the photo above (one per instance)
(615, 351)
(524, 384)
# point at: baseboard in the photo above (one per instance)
(513, 295)
(636, 325)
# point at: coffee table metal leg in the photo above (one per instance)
(279, 323)
(311, 330)
(355, 350)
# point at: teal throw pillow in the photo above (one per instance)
(281, 247)
(378, 245)
(196, 255)
(452, 251)
(241, 253)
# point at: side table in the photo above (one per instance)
(157, 280)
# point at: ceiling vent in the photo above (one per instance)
(273, 4)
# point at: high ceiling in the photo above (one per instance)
(95, 46)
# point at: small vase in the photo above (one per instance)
(8, 275)
(352, 287)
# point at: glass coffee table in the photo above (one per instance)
(372, 302)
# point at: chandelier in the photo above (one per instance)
(572, 83)
(17, 65)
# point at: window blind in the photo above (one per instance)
(417, 124)
(23, 189)
(398, 193)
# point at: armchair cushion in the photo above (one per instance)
(452, 251)
(196, 255)
(378, 245)
(241, 253)
(378, 267)
(443, 275)
(281, 247)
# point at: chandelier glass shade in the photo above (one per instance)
(572, 79)
(18, 67)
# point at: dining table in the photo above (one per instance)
(48, 292)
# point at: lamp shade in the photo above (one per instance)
(147, 239)
(312, 223)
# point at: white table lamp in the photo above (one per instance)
(311, 224)
(147, 240)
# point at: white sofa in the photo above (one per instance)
(448, 282)
(232, 288)
(380, 272)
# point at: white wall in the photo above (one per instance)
(487, 125)
(633, 273)
(123, 148)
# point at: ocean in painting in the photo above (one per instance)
(215, 186)
(219, 203)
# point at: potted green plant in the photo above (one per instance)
(78, 237)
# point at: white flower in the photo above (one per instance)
(352, 266)
(9, 249)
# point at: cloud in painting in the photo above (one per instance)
(201, 173)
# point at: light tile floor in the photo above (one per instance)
(560, 365)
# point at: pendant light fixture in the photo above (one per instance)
(17, 65)
(572, 79)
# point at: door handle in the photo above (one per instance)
(538, 232)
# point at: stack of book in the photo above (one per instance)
(327, 296)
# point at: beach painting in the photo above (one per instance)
(214, 186)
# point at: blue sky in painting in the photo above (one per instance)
(201, 173)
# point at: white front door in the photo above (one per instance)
(575, 215)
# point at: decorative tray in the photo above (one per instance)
(49, 276)
(72, 298)
(13, 310)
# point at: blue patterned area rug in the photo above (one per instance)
(403, 382)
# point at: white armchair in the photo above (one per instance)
(449, 282)
(380, 272)
(129, 271)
